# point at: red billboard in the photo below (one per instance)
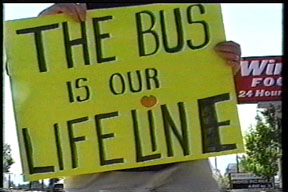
(259, 79)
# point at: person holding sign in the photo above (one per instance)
(189, 176)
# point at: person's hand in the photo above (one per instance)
(75, 10)
(231, 52)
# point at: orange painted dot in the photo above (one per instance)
(149, 101)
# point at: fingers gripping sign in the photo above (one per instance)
(230, 51)
(75, 10)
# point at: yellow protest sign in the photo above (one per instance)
(130, 87)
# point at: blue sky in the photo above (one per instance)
(256, 27)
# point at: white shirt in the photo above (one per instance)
(190, 176)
